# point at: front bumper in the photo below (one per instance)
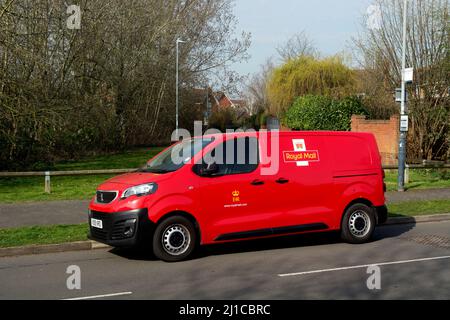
(121, 229)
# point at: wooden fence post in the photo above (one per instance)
(407, 174)
(47, 182)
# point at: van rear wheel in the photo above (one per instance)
(174, 239)
(358, 223)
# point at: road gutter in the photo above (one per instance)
(52, 248)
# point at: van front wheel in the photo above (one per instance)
(174, 239)
(358, 223)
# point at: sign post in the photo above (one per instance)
(406, 77)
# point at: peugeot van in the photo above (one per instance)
(233, 187)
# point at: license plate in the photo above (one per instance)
(97, 223)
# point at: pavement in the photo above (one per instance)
(418, 195)
(43, 213)
(75, 212)
(414, 263)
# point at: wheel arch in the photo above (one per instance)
(365, 201)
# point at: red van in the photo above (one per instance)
(319, 181)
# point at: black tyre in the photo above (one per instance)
(174, 239)
(358, 223)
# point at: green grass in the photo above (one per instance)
(420, 179)
(42, 235)
(129, 159)
(28, 189)
(418, 208)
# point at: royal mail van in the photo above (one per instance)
(232, 187)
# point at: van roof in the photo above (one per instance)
(287, 133)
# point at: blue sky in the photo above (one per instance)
(329, 23)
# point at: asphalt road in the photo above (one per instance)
(250, 270)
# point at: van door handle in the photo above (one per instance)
(257, 182)
(282, 181)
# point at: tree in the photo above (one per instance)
(298, 45)
(308, 75)
(379, 51)
(256, 89)
(110, 84)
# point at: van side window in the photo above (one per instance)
(236, 156)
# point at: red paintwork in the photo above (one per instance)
(348, 168)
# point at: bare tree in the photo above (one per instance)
(427, 51)
(256, 89)
(65, 92)
(298, 45)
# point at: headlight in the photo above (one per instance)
(140, 190)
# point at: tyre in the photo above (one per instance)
(174, 239)
(358, 223)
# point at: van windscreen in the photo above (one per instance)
(176, 156)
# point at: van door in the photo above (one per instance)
(236, 199)
(304, 183)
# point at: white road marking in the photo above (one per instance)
(102, 296)
(362, 266)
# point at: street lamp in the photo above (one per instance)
(176, 86)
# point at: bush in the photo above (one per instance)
(308, 75)
(323, 113)
(224, 119)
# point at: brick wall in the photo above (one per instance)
(386, 133)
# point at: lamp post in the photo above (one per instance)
(176, 86)
(403, 112)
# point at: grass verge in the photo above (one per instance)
(420, 179)
(130, 159)
(419, 208)
(28, 189)
(15, 237)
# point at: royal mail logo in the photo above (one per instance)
(301, 155)
(235, 195)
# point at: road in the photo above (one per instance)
(249, 270)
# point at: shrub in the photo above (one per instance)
(224, 119)
(323, 113)
(308, 75)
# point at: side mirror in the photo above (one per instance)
(209, 170)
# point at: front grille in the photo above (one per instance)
(118, 230)
(112, 230)
(99, 234)
(106, 196)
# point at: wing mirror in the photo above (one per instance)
(209, 169)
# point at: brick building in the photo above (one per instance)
(386, 133)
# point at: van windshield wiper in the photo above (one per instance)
(148, 170)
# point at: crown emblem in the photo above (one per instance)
(235, 193)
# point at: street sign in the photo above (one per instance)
(409, 75)
(398, 95)
(404, 123)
